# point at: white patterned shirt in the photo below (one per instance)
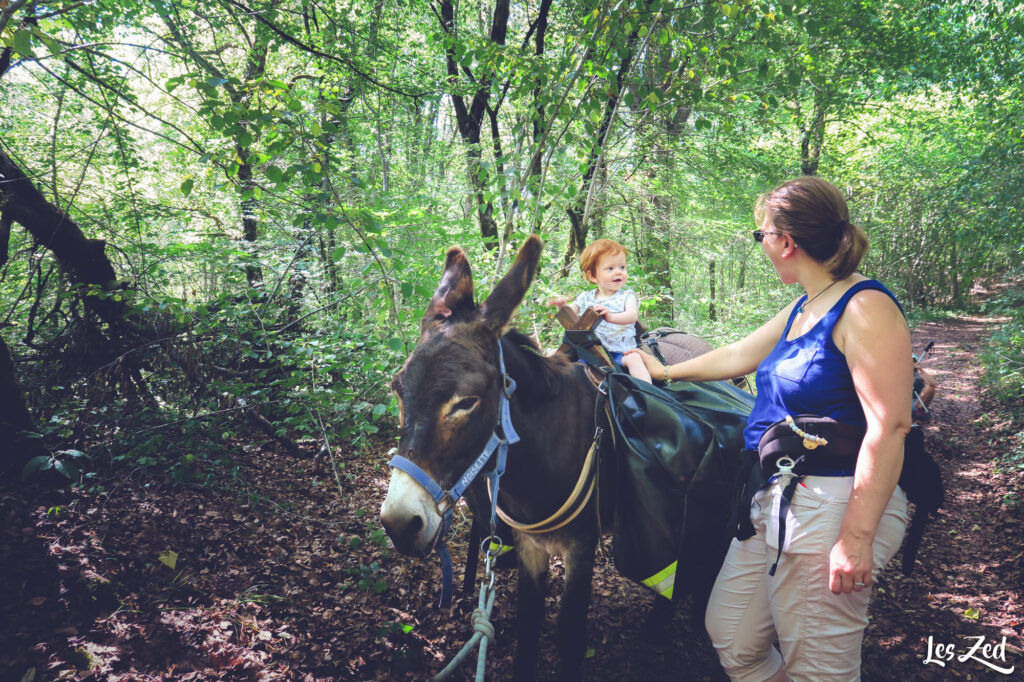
(615, 337)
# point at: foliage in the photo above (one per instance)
(62, 461)
(1003, 356)
(277, 182)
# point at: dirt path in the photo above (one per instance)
(281, 575)
(969, 580)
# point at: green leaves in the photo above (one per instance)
(62, 461)
(36, 464)
(22, 43)
(67, 469)
(172, 83)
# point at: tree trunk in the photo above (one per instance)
(470, 118)
(712, 313)
(654, 258)
(84, 260)
(484, 209)
(250, 224)
(955, 275)
(15, 422)
(255, 66)
(812, 138)
(578, 220)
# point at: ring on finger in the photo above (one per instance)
(857, 584)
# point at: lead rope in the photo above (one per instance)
(483, 630)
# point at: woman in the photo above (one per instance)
(841, 351)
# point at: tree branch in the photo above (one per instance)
(5, 16)
(323, 55)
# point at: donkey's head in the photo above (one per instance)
(448, 392)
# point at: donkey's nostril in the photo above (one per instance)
(405, 532)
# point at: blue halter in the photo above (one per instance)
(446, 501)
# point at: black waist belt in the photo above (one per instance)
(838, 455)
(807, 456)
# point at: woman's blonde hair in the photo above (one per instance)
(814, 213)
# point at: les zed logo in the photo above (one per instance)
(982, 652)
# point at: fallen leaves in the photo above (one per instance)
(168, 558)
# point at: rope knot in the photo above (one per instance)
(482, 624)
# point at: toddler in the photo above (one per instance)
(603, 262)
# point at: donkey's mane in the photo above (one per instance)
(537, 375)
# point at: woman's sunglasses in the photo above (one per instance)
(759, 235)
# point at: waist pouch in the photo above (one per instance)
(920, 477)
(837, 457)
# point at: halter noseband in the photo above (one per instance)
(445, 501)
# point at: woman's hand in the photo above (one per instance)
(557, 301)
(849, 565)
(655, 367)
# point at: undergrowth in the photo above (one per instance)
(1003, 379)
(1003, 354)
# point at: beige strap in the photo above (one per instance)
(574, 497)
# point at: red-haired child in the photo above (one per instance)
(603, 262)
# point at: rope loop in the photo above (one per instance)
(482, 624)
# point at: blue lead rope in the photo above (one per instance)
(495, 443)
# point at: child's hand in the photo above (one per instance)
(601, 310)
(654, 366)
(557, 301)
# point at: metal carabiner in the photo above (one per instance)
(785, 466)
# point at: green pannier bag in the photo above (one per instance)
(678, 457)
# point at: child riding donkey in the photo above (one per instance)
(603, 262)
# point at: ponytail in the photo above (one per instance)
(853, 244)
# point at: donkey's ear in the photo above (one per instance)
(508, 293)
(454, 295)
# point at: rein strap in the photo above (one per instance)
(572, 506)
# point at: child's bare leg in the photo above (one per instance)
(634, 364)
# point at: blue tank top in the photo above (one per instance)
(807, 375)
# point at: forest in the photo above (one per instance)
(221, 223)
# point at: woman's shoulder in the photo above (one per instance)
(864, 291)
(872, 305)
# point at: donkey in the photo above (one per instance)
(449, 396)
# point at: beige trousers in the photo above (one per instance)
(819, 633)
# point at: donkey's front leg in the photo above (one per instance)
(533, 575)
(572, 615)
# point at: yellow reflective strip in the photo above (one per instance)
(663, 581)
(505, 549)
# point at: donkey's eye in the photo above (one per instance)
(464, 405)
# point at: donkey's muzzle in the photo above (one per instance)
(409, 516)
